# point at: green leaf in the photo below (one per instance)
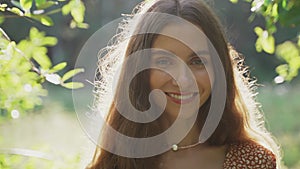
(258, 45)
(265, 41)
(39, 2)
(282, 70)
(295, 63)
(33, 33)
(268, 44)
(82, 25)
(66, 9)
(73, 24)
(73, 85)
(43, 19)
(283, 4)
(39, 55)
(291, 54)
(46, 20)
(71, 73)
(258, 31)
(2, 18)
(234, 1)
(46, 4)
(58, 67)
(36, 36)
(16, 11)
(26, 4)
(49, 41)
(78, 11)
(275, 10)
(3, 7)
(287, 50)
(298, 41)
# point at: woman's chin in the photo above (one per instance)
(184, 115)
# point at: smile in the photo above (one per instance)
(181, 98)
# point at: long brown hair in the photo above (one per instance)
(241, 119)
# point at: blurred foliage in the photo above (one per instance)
(40, 10)
(281, 106)
(45, 143)
(9, 161)
(25, 66)
(284, 13)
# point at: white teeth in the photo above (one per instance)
(181, 97)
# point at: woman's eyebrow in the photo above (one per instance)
(199, 53)
(170, 53)
(162, 52)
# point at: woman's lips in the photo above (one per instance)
(181, 98)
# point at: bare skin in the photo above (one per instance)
(199, 157)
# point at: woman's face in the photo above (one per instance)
(188, 67)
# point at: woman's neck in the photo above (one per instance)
(192, 136)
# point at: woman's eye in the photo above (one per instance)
(163, 62)
(197, 61)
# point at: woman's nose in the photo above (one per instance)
(184, 77)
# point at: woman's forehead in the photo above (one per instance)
(187, 34)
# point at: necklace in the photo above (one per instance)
(175, 147)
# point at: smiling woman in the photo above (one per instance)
(191, 84)
(180, 60)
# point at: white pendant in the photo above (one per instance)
(174, 147)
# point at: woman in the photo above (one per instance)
(179, 69)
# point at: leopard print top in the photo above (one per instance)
(249, 155)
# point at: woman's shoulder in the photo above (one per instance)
(249, 155)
